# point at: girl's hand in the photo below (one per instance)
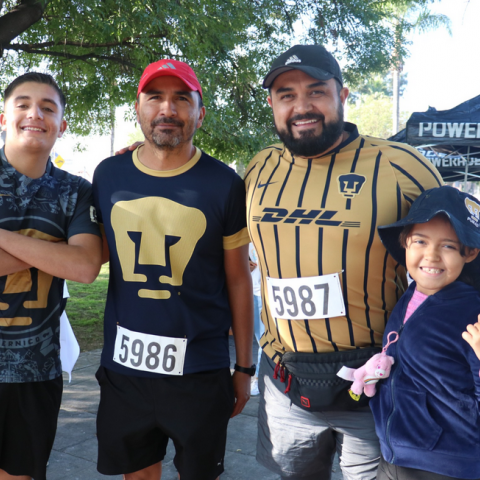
(472, 336)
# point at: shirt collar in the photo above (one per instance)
(6, 164)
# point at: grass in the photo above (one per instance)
(85, 309)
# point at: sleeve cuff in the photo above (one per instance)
(237, 240)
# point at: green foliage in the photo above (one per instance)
(135, 136)
(98, 49)
(377, 84)
(359, 33)
(372, 113)
(85, 309)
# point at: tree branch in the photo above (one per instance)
(70, 56)
(23, 16)
(127, 41)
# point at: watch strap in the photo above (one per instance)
(249, 371)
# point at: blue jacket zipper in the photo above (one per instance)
(397, 369)
(392, 381)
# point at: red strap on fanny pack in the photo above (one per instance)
(289, 383)
(275, 372)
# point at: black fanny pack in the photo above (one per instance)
(312, 382)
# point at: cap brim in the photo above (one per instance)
(317, 73)
(389, 233)
(167, 73)
(389, 237)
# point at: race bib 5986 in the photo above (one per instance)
(150, 353)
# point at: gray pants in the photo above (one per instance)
(301, 445)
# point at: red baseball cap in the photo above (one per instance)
(172, 68)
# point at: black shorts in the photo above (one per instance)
(138, 415)
(28, 415)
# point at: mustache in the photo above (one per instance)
(305, 116)
(167, 120)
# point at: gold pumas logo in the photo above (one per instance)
(350, 184)
(474, 210)
(156, 232)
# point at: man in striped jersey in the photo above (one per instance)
(314, 203)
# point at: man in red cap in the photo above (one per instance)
(175, 234)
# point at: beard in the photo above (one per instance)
(169, 140)
(309, 144)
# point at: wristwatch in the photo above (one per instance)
(249, 371)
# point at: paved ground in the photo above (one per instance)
(75, 450)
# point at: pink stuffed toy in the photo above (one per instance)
(365, 377)
(368, 375)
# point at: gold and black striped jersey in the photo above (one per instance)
(311, 217)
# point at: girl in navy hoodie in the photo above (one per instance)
(427, 411)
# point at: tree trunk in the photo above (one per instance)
(112, 131)
(396, 100)
(19, 19)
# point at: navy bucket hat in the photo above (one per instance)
(462, 209)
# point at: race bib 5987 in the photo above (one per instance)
(305, 298)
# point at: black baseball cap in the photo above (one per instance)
(314, 60)
(462, 209)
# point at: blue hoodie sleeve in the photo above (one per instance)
(474, 363)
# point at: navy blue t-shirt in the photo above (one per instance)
(167, 232)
